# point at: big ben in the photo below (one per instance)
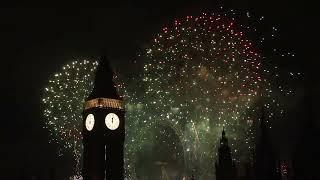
(103, 128)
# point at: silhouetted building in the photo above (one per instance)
(306, 154)
(103, 129)
(225, 166)
(286, 170)
(266, 165)
(248, 172)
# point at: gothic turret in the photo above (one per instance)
(225, 167)
(103, 129)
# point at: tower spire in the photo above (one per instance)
(225, 167)
(103, 128)
(104, 86)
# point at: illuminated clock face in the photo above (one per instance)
(89, 122)
(112, 121)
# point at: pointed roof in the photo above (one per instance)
(104, 86)
(223, 132)
(223, 139)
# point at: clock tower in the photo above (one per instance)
(103, 129)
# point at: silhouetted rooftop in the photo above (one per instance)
(104, 86)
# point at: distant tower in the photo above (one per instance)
(225, 167)
(103, 129)
(286, 169)
(266, 165)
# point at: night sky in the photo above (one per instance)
(37, 42)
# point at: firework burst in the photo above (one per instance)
(63, 100)
(200, 74)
